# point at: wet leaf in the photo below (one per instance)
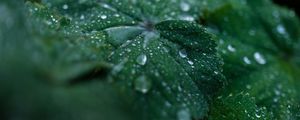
(258, 41)
(120, 55)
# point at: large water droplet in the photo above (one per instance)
(183, 53)
(183, 114)
(259, 58)
(142, 84)
(141, 59)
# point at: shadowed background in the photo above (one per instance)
(293, 4)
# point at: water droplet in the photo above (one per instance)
(259, 58)
(185, 6)
(231, 48)
(280, 29)
(257, 115)
(277, 92)
(168, 104)
(103, 16)
(116, 15)
(183, 114)
(141, 59)
(190, 62)
(82, 17)
(65, 6)
(275, 100)
(179, 88)
(246, 60)
(183, 53)
(142, 84)
(248, 86)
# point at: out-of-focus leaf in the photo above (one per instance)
(259, 42)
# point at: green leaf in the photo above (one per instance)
(148, 59)
(137, 59)
(238, 106)
(259, 42)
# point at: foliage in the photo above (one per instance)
(148, 59)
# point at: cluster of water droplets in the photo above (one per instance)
(257, 56)
(183, 54)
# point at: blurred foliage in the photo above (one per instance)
(148, 59)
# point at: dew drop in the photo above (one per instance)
(116, 15)
(246, 60)
(281, 29)
(103, 16)
(190, 62)
(275, 100)
(231, 48)
(141, 59)
(277, 92)
(179, 88)
(142, 84)
(82, 17)
(183, 114)
(257, 115)
(182, 53)
(168, 104)
(248, 86)
(65, 6)
(259, 58)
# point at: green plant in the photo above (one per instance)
(148, 59)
